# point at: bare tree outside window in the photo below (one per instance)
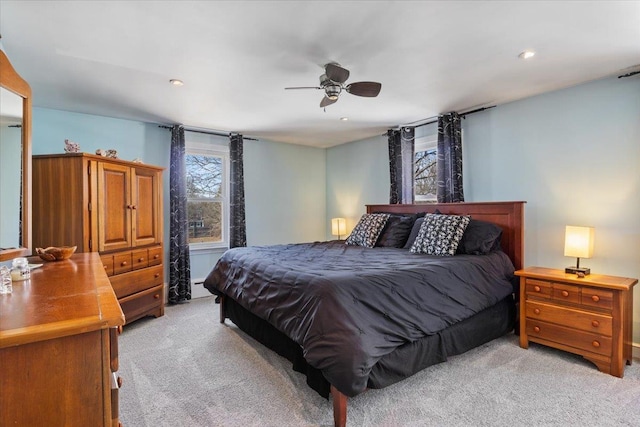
(205, 187)
(424, 176)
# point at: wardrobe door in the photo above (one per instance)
(114, 207)
(145, 200)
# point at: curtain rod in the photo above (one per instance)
(207, 132)
(477, 110)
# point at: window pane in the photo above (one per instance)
(205, 221)
(425, 178)
(204, 176)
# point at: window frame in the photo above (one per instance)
(221, 150)
(424, 143)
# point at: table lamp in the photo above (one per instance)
(578, 242)
(338, 227)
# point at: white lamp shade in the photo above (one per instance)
(338, 226)
(578, 241)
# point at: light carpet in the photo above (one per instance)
(186, 369)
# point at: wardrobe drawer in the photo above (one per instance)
(135, 305)
(122, 263)
(583, 320)
(140, 259)
(136, 281)
(107, 262)
(155, 256)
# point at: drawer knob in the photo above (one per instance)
(140, 259)
(596, 344)
(565, 293)
(536, 328)
(536, 310)
(156, 296)
(595, 323)
(536, 288)
(157, 275)
(105, 267)
(119, 382)
(595, 298)
(156, 256)
(123, 263)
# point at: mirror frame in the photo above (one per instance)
(11, 80)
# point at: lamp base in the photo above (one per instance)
(576, 270)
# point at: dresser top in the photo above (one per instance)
(599, 280)
(61, 298)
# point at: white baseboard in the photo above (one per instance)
(635, 352)
(198, 290)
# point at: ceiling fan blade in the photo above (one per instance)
(326, 101)
(336, 73)
(303, 87)
(368, 89)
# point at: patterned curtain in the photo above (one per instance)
(401, 158)
(237, 224)
(449, 164)
(179, 264)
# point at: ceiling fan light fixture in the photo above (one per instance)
(527, 54)
(344, 119)
(176, 82)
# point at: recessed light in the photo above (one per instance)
(344, 119)
(176, 82)
(526, 54)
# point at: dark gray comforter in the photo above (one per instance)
(347, 306)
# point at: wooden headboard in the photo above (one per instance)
(508, 215)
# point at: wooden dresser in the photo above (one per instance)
(59, 347)
(590, 316)
(109, 206)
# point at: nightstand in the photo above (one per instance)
(590, 316)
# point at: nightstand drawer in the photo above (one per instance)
(566, 293)
(593, 343)
(583, 320)
(538, 288)
(599, 298)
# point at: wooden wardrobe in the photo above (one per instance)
(109, 206)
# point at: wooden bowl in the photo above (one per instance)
(53, 253)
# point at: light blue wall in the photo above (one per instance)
(357, 174)
(573, 155)
(284, 197)
(284, 184)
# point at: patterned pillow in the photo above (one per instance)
(367, 230)
(440, 234)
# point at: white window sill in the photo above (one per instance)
(208, 248)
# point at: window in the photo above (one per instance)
(207, 190)
(424, 170)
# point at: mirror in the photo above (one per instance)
(15, 162)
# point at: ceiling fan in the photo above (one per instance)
(332, 82)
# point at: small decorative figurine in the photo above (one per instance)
(71, 147)
(113, 154)
(101, 152)
(137, 160)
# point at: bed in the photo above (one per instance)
(352, 317)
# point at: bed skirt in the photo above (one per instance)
(405, 361)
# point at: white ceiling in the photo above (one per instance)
(116, 58)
